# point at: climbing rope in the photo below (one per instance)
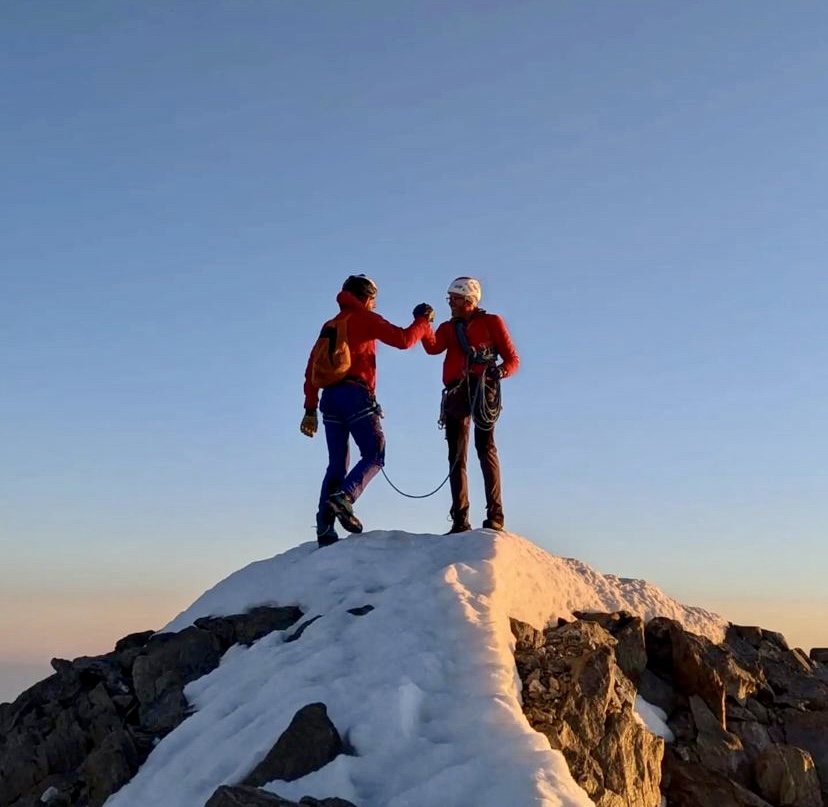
(485, 414)
(484, 406)
(440, 423)
(414, 495)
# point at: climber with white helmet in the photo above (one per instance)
(479, 353)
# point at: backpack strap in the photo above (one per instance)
(484, 395)
(460, 326)
(485, 355)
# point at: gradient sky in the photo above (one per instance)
(639, 186)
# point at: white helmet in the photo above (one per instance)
(466, 287)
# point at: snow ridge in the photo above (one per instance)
(423, 687)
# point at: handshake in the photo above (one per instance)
(424, 310)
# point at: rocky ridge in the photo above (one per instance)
(749, 716)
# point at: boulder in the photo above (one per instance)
(309, 743)
(754, 735)
(718, 749)
(796, 690)
(628, 632)
(361, 610)
(251, 626)
(786, 776)
(687, 783)
(751, 634)
(244, 796)
(696, 673)
(169, 662)
(696, 666)
(786, 677)
(809, 731)
(109, 766)
(133, 641)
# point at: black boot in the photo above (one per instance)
(459, 520)
(325, 532)
(342, 506)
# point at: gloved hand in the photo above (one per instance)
(494, 372)
(424, 310)
(309, 423)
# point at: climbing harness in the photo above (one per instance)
(484, 401)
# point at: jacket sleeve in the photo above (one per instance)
(435, 342)
(505, 346)
(394, 336)
(311, 392)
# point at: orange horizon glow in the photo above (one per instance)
(69, 625)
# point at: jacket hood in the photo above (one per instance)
(346, 299)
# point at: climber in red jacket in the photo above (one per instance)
(349, 407)
(479, 353)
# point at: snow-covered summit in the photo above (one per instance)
(423, 687)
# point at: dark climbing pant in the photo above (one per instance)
(457, 436)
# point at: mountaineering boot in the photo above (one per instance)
(327, 536)
(493, 524)
(459, 520)
(325, 520)
(342, 506)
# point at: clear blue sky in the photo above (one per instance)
(640, 187)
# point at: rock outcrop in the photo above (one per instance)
(576, 693)
(82, 733)
(309, 743)
(774, 734)
(245, 796)
(749, 716)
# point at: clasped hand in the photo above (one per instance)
(424, 310)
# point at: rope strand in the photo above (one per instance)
(483, 412)
(414, 495)
(484, 415)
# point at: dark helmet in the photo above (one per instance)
(360, 286)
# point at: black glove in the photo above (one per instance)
(424, 310)
(309, 423)
(494, 372)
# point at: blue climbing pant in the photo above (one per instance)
(349, 409)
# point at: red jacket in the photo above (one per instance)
(483, 331)
(364, 328)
